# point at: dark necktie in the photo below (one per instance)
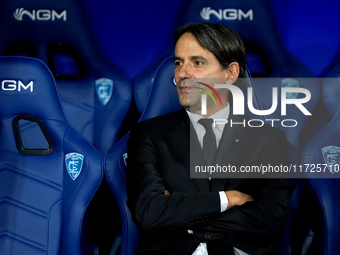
(209, 141)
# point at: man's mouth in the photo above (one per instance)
(184, 89)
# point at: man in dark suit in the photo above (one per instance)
(177, 214)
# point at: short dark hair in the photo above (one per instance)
(222, 41)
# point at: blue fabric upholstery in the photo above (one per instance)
(114, 164)
(58, 33)
(331, 91)
(42, 204)
(163, 97)
(326, 189)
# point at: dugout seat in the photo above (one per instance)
(95, 96)
(324, 152)
(48, 171)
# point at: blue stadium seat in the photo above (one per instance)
(266, 55)
(94, 94)
(45, 187)
(324, 149)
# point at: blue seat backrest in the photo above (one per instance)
(324, 150)
(45, 188)
(114, 165)
(331, 91)
(95, 96)
(163, 97)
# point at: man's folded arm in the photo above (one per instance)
(264, 218)
(151, 209)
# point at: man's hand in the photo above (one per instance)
(166, 192)
(237, 198)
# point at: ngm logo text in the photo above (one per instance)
(16, 85)
(41, 14)
(226, 14)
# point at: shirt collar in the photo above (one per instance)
(221, 114)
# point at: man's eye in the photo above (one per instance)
(199, 63)
(178, 63)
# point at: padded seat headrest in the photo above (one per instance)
(28, 87)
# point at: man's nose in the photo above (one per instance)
(184, 72)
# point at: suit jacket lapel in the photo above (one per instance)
(180, 128)
(178, 133)
(230, 148)
(228, 152)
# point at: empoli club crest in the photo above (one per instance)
(292, 83)
(331, 155)
(74, 164)
(104, 88)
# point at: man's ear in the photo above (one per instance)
(233, 70)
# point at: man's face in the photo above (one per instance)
(193, 61)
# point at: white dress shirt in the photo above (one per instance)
(218, 131)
